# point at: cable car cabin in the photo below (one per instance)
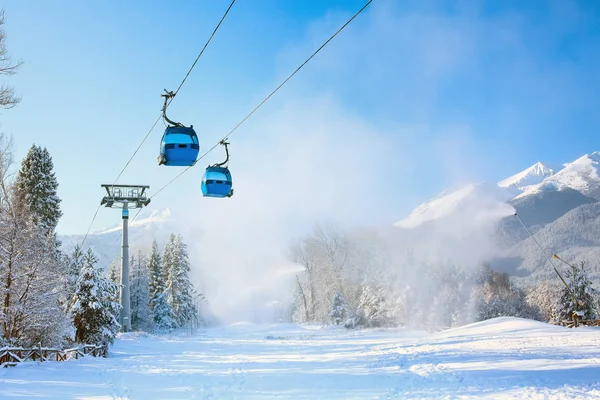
(179, 147)
(217, 182)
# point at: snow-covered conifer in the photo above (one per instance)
(178, 287)
(157, 274)
(163, 316)
(141, 319)
(338, 312)
(581, 287)
(93, 311)
(36, 189)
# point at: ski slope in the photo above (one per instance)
(507, 358)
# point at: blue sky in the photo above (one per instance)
(413, 97)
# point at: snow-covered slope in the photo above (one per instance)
(581, 175)
(501, 358)
(466, 199)
(533, 175)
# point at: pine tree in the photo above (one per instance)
(338, 312)
(36, 188)
(178, 288)
(141, 319)
(93, 311)
(581, 287)
(157, 275)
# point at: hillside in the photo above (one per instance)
(558, 204)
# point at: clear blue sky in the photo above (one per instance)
(412, 97)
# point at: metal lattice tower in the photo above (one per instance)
(125, 197)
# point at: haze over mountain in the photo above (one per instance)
(558, 204)
(151, 224)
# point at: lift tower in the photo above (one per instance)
(125, 197)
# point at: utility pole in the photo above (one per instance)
(125, 197)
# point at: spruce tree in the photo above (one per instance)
(157, 275)
(94, 311)
(73, 264)
(36, 188)
(114, 272)
(141, 319)
(585, 294)
(163, 316)
(178, 285)
(338, 312)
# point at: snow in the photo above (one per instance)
(533, 175)
(505, 357)
(470, 198)
(155, 217)
(581, 175)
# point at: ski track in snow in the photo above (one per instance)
(503, 358)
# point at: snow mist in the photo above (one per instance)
(309, 163)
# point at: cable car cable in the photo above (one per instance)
(178, 88)
(549, 259)
(260, 104)
(160, 116)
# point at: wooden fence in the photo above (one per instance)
(11, 356)
(578, 322)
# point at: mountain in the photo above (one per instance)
(580, 175)
(151, 224)
(532, 176)
(559, 205)
(537, 210)
(450, 203)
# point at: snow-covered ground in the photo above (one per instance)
(503, 358)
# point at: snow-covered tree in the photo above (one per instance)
(73, 264)
(178, 287)
(31, 285)
(36, 188)
(546, 297)
(8, 99)
(157, 274)
(30, 271)
(114, 272)
(338, 309)
(371, 308)
(141, 318)
(497, 297)
(585, 295)
(163, 316)
(93, 311)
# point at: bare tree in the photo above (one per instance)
(8, 99)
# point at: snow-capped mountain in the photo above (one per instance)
(559, 205)
(448, 203)
(149, 226)
(581, 175)
(532, 176)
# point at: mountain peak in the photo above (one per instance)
(449, 202)
(533, 175)
(581, 175)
